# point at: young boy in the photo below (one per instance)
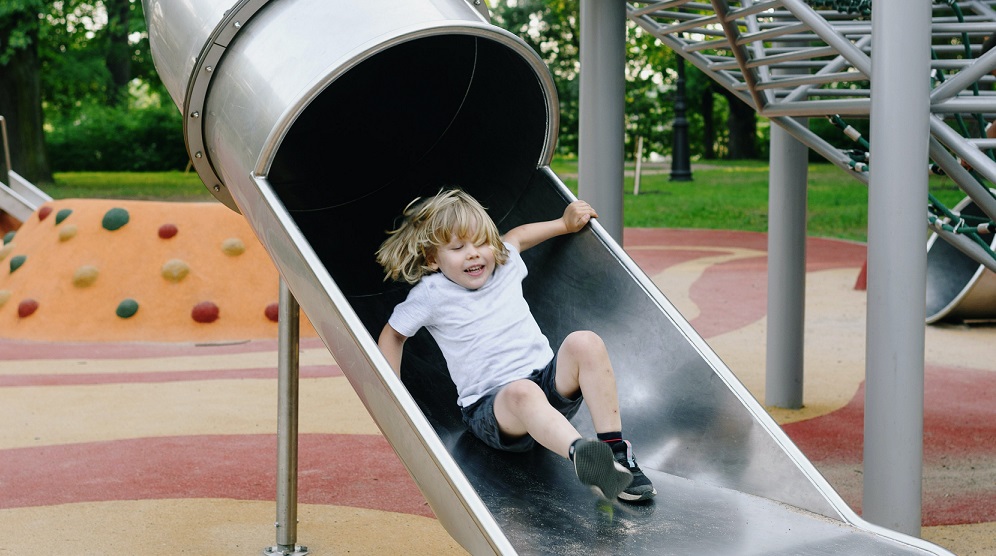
(511, 387)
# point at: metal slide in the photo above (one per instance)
(319, 120)
(18, 197)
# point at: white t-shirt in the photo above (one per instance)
(488, 336)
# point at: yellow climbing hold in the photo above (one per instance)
(67, 232)
(4, 297)
(175, 270)
(85, 276)
(233, 247)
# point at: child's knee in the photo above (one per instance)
(584, 342)
(521, 393)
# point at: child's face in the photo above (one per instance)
(465, 263)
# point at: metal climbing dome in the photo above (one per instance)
(793, 59)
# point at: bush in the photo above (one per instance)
(100, 138)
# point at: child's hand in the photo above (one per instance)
(577, 214)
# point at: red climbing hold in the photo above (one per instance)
(27, 308)
(167, 231)
(44, 212)
(205, 312)
(272, 312)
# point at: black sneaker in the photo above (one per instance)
(641, 488)
(595, 466)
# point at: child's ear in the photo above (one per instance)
(430, 263)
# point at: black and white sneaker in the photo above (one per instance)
(597, 468)
(641, 488)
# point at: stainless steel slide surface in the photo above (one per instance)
(729, 481)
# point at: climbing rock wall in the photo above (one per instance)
(104, 270)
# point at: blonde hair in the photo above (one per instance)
(430, 223)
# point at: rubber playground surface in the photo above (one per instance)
(154, 433)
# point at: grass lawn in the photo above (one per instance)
(168, 186)
(721, 195)
(734, 195)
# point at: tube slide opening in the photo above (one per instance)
(431, 112)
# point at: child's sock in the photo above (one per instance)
(610, 438)
(570, 451)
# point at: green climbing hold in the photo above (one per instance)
(9, 237)
(16, 262)
(127, 308)
(115, 218)
(64, 214)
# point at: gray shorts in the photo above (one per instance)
(480, 415)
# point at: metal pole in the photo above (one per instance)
(288, 366)
(786, 270)
(897, 265)
(5, 173)
(602, 111)
(681, 165)
(787, 195)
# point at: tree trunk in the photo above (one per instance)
(118, 59)
(742, 124)
(708, 126)
(20, 101)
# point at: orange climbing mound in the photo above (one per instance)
(97, 274)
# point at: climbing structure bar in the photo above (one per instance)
(745, 47)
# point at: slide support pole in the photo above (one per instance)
(288, 367)
(601, 129)
(786, 270)
(897, 265)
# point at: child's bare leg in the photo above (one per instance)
(521, 408)
(583, 366)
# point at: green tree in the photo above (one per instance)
(87, 54)
(650, 86)
(551, 28)
(20, 87)
(118, 57)
(741, 126)
(93, 86)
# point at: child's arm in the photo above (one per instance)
(576, 215)
(391, 344)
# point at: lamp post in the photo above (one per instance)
(681, 167)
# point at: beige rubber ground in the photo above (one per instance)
(78, 381)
